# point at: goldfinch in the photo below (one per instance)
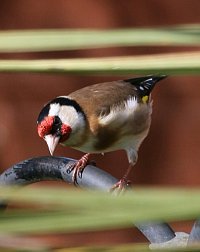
(100, 118)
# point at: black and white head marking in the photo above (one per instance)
(53, 107)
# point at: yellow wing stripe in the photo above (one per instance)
(145, 98)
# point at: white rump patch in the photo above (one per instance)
(119, 114)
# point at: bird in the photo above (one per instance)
(100, 118)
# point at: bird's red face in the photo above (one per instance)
(53, 131)
(58, 119)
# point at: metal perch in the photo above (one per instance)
(55, 168)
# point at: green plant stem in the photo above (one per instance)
(73, 39)
(174, 63)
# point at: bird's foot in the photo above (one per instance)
(120, 186)
(123, 183)
(78, 168)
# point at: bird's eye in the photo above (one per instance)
(56, 126)
(57, 121)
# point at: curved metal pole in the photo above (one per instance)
(56, 168)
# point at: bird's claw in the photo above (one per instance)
(77, 172)
(78, 168)
(120, 186)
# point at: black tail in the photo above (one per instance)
(145, 85)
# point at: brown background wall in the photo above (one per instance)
(169, 156)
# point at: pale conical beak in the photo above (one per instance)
(52, 142)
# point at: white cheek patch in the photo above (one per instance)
(120, 114)
(70, 116)
(54, 109)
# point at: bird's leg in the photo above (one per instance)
(123, 182)
(78, 168)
